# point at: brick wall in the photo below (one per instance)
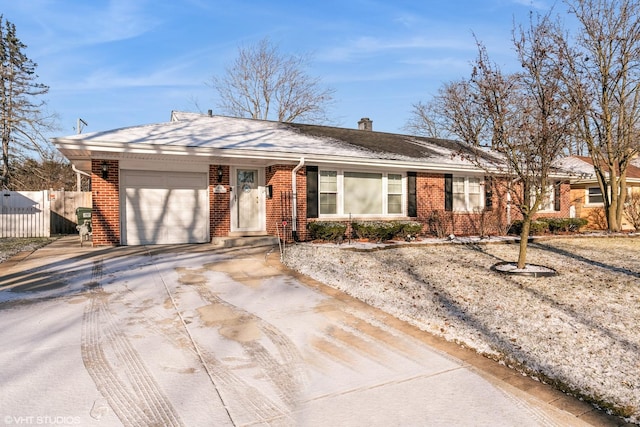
(280, 206)
(219, 203)
(430, 206)
(105, 215)
(431, 210)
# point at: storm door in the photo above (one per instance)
(247, 209)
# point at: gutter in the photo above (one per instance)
(294, 207)
(78, 173)
(73, 167)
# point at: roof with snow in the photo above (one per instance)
(581, 167)
(218, 139)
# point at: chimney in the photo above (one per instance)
(365, 124)
(210, 113)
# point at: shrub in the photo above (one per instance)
(325, 230)
(374, 230)
(551, 225)
(385, 230)
(537, 227)
(409, 229)
(575, 224)
(632, 209)
(598, 218)
(566, 225)
(440, 223)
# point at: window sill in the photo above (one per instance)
(467, 212)
(363, 217)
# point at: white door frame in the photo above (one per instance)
(235, 192)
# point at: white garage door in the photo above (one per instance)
(165, 207)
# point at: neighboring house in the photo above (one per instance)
(586, 195)
(201, 177)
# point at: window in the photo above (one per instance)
(394, 194)
(547, 202)
(551, 198)
(594, 195)
(360, 193)
(467, 193)
(328, 192)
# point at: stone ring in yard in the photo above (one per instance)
(530, 270)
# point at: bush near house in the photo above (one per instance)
(632, 210)
(386, 230)
(550, 225)
(378, 231)
(564, 225)
(327, 231)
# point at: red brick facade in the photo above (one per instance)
(105, 192)
(219, 203)
(279, 209)
(431, 210)
(430, 204)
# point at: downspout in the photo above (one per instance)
(294, 204)
(78, 173)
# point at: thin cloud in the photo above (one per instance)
(85, 24)
(371, 46)
(535, 4)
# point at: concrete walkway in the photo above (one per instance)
(192, 335)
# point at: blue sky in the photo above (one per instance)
(119, 63)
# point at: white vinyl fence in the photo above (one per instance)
(39, 213)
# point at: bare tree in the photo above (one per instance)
(603, 77)
(425, 120)
(23, 120)
(453, 113)
(52, 171)
(263, 83)
(528, 117)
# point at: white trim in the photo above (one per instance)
(341, 214)
(468, 208)
(587, 202)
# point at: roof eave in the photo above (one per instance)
(78, 151)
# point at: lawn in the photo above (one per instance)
(577, 330)
(10, 246)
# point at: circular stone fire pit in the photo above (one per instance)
(530, 270)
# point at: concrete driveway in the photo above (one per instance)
(195, 336)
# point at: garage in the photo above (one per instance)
(164, 207)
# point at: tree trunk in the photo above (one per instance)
(524, 241)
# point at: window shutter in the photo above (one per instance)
(488, 193)
(412, 195)
(312, 192)
(448, 192)
(556, 196)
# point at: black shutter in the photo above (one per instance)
(488, 193)
(312, 192)
(412, 195)
(448, 192)
(556, 196)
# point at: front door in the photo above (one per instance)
(248, 205)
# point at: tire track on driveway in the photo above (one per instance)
(265, 349)
(116, 367)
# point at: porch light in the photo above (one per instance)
(220, 173)
(104, 167)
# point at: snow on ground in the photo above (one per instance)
(578, 329)
(187, 336)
